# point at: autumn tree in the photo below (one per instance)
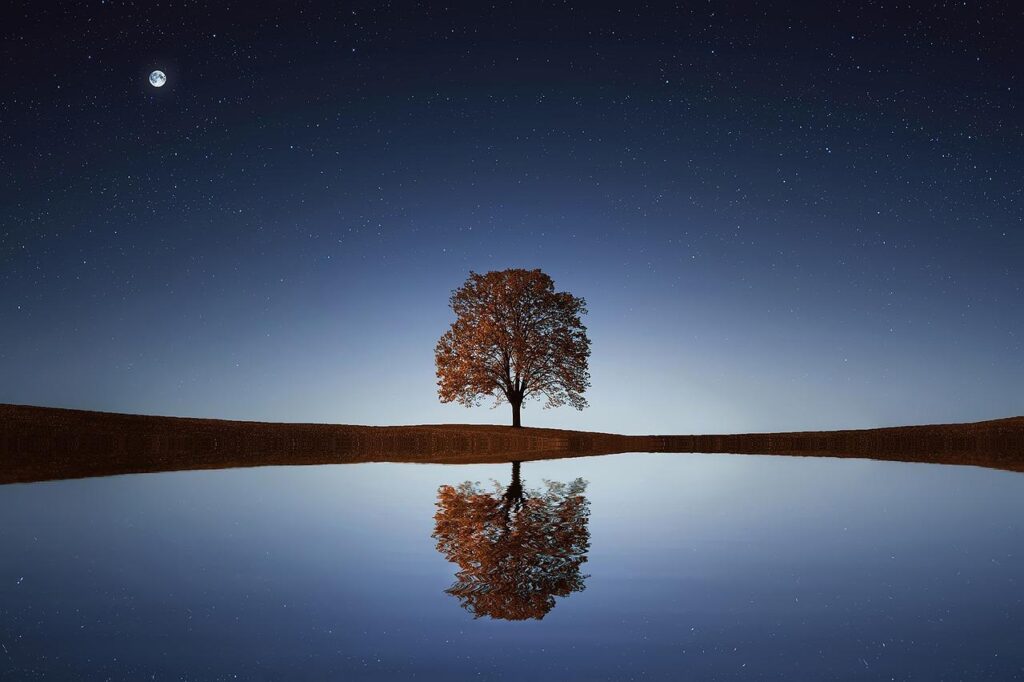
(514, 338)
(516, 550)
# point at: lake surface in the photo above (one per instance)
(655, 566)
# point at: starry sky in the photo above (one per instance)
(783, 215)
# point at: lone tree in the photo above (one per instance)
(514, 337)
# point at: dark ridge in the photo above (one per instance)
(42, 444)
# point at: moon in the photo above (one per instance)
(157, 79)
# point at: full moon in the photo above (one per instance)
(157, 79)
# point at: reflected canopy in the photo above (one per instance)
(516, 549)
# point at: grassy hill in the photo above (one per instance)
(40, 443)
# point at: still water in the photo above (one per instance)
(652, 566)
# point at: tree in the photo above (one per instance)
(514, 337)
(516, 550)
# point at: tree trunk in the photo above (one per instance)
(517, 404)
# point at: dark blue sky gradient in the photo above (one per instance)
(782, 216)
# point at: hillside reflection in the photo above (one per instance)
(516, 549)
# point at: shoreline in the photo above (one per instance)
(43, 444)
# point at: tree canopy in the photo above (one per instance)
(514, 338)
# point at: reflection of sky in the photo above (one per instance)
(744, 566)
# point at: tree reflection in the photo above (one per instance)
(516, 550)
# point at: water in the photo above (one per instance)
(697, 566)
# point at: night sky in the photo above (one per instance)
(782, 215)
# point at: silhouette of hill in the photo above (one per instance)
(40, 443)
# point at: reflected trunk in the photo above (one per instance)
(514, 493)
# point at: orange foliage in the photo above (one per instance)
(516, 551)
(514, 337)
